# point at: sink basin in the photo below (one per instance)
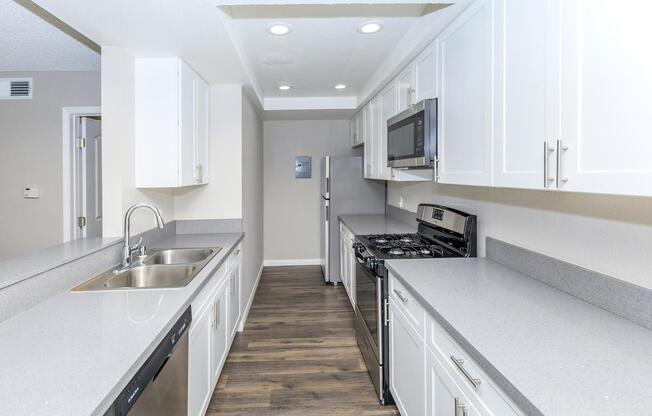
(170, 268)
(152, 277)
(180, 256)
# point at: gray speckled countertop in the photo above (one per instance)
(73, 353)
(552, 353)
(376, 224)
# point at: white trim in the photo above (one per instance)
(67, 144)
(310, 103)
(292, 262)
(245, 313)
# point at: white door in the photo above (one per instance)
(605, 100)
(465, 105)
(388, 100)
(201, 137)
(425, 72)
(371, 142)
(88, 178)
(187, 124)
(219, 330)
(524, 85)
(199, 363)
(406, 88)
(444, 397)
(407, 365)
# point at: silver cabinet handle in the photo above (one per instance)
(546, 164)
(437, 169)
(199, 172)
(217, 313)
(459, 363)
(386, 301)
(400, 295)
(459, 406)
(560, 148)
(214, 309)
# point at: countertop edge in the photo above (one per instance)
(510, 390)
(215, 264)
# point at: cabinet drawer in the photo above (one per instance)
(485, 395)
(204, 296)
(406, 303)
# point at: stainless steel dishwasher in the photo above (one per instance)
(160, 387)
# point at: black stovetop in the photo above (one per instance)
(404, 246)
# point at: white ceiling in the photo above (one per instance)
(30, 43)
(323, 47)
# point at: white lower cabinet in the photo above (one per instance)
(347, 262)
(407, 365)
(424, 379)
(216, 313)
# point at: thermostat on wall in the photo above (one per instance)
(30, 192)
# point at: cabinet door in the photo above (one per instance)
(219, 330)
(355, 130)
(370, 145)
(199, 363)
(405, 85)
(187, 124)
(201, 138)
(425, 73)
(523, 86)
(444, 397)
(234, 299)
(465, 105)
(364, 124)
(407, 365)
(605, 97)
(388, 100)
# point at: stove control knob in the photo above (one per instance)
(359, 248)
(372, 263)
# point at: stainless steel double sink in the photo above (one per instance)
(169, 268)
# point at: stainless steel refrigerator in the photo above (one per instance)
(344, 191)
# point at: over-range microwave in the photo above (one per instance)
(412, 136)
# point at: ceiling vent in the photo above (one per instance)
(15, 88)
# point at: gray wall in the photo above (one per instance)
(31, 154)
(292, 206)
(252, 196)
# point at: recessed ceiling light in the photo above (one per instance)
(340, 86)
(284, 87)
(279, 29)
(370, 27)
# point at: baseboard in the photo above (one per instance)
(292, 262)
(245, 313)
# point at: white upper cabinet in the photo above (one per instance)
(605, 97)
(425, 74)
(388, 100)
(172, 112)
(465, 104)
(355, 129)
(522, 88)
(405, 84)
(372, 140)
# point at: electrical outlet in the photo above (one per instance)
(30, 192)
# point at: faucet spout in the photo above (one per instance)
(128, 250)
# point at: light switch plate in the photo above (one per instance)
(30, 192)
(303, 167)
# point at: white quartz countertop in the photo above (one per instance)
(376, 224)
(552, 353)
(73, 353)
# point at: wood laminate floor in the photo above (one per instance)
(297, 354)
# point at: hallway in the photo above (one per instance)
(297, 354)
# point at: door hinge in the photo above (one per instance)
(81, 222)
(81, 142)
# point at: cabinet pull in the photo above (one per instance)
(217, 313)
(546, 164)
(199, 172)
(437, 169)
(386, 312)
(560, 148)
(459, 406)
(214, 319)
(459, 363)
(400, 295)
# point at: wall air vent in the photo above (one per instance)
(15, 88)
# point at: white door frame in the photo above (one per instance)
(68, 157)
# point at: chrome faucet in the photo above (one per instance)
(128, 250)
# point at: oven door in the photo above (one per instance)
(368, 291)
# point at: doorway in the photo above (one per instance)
(82, 173)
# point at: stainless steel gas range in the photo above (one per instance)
(443, 233)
